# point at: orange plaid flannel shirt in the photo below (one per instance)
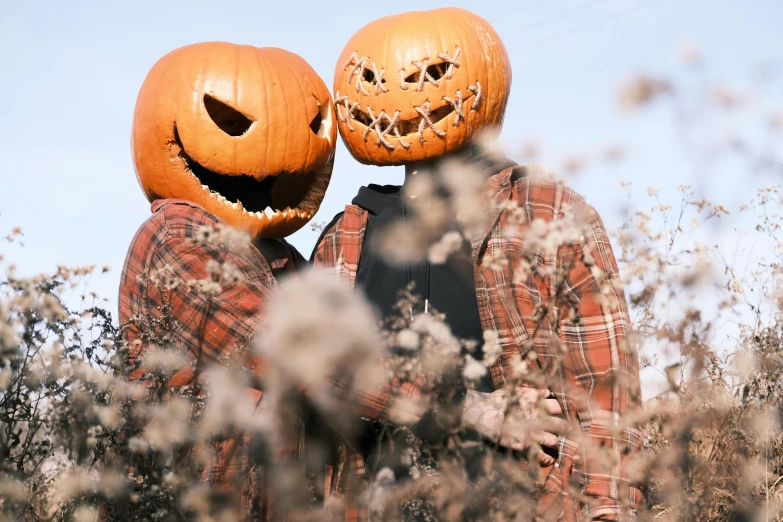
(209, 327)
(599, 363)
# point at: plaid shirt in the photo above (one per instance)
(598, 362)
(212, 328)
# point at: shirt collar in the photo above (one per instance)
(160, 203)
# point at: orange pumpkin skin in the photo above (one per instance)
(237, 116)
(417, 85)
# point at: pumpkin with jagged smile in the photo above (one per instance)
(417, 85)
(247, 133)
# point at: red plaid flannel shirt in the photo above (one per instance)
(210, 327)
(598, 362)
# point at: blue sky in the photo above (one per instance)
(71, 71)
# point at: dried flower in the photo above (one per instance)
(448, 244)
(689, 54)
(640, 91)
(473, 369)
(408, 339)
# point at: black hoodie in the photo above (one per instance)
(448, 288)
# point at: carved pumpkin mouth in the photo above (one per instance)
(274, 196)
(410, 125)
(391, 125)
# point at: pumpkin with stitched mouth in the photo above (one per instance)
(247, 133)
(417, 85)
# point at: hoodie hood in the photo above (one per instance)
(376, 199)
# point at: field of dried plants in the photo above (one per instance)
(77, 435)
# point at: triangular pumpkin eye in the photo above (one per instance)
(228, 119)
(315, 124)
(322, 121)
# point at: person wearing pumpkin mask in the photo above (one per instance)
(219, 149)
(416, 89)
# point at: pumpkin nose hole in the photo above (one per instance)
(228, 119)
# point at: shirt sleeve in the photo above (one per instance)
(214, 297)
(599, 359)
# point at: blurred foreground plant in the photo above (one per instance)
(78, 436)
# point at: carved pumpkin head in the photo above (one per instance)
(417, 85)
(246, 133)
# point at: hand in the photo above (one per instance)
(486, 414)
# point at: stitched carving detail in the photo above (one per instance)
(425, 111)
(456, 104)
(403, 83)
(392, 126)
(452, 61)
(404, 144)
(346, 116)
(477, 91)
(424, 74)
(385, 125)
(359, 64)
(378, 78)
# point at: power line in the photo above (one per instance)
(586, 27)
(518, 9)
(557, 16)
